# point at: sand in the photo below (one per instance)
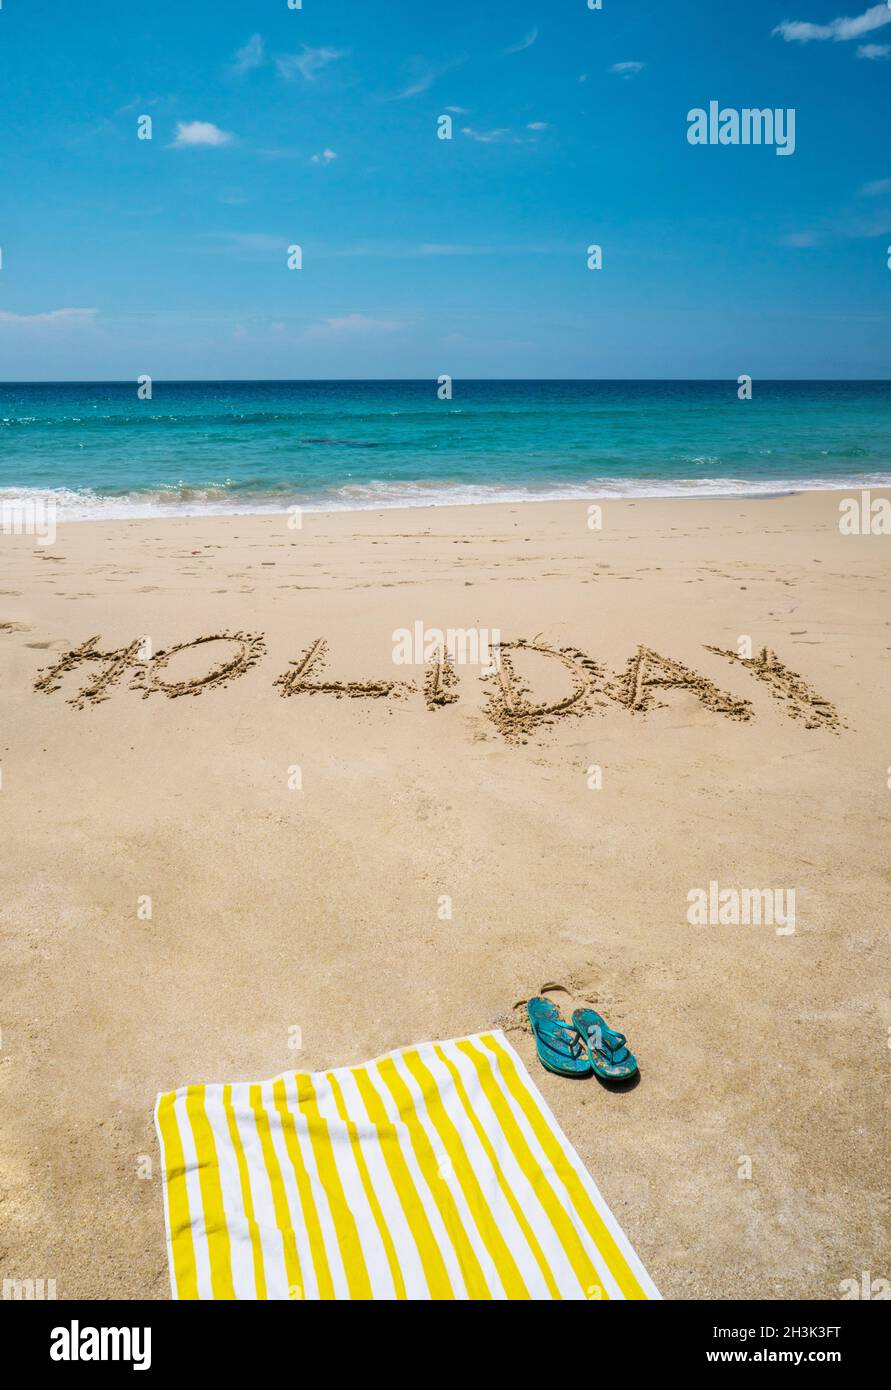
(343, 854)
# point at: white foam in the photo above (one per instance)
(72, 505)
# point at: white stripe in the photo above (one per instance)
(407, 1255)
(440, 1234)
(242, 1260)
(261, 1191)
(450, 1180)
(289, 1180)
(372, 1245)
(323, 1206)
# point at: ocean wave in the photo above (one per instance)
(219, 500)
(140, 417)
(345, 443)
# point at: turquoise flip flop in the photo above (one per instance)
(610, 1058)
(560, 1049)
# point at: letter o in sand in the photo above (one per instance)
(249, 648)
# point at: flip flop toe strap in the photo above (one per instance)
(608, 1045)
(560, 1037)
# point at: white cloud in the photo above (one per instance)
(352, 323)
(838, 30)
(425, 74)
(524, 43)
(250, 57)
(458, 110)
(420, 84)
(190, 134)
(400, 250)
(874, 50)
(504, 134)
(309, 63)
(446, 248)
(876, 187)
(487, 137)
(628, 69)
(53, 317)
(324, 158)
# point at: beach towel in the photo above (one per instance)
(434, 1172)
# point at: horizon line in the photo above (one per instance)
(359, 380)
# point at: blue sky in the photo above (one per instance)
(317, 126)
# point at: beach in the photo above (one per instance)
(321, 854)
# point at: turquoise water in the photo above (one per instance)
(96, 449)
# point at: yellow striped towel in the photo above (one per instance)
(437, 1171)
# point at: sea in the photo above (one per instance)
(97, 449)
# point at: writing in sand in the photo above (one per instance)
(583, 684)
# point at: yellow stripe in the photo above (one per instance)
(501, 1257)
(304, 1187)
(368, 1188)
(596, 1227)
(184, 1271)
(585, 1271)
(247, 1200)
(474, 1278)
(215, 1228)
(344, 1221)
(432, 1262)
(507, 1191)
(279, 1199)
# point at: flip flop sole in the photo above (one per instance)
(615, 1075)
(559, 1071)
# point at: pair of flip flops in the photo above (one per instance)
(586, 1045)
